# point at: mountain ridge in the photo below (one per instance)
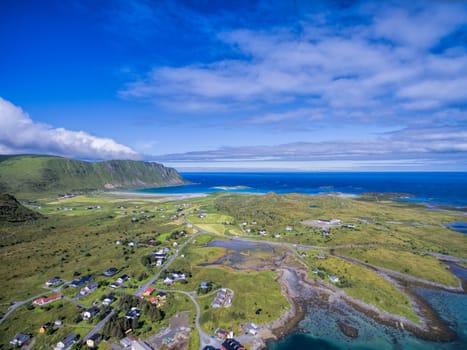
(44, 173)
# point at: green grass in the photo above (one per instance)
(249, 291)
(248, 286)
(419, 265)
(29, 321)
(363, 284)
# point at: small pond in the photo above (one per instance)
(458, 227)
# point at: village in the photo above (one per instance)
(100, 311)
(154, 293)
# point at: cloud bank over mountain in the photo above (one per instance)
(20, 134)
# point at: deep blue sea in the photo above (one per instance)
(437, 188)
(319, 326)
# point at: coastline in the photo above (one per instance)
(301, 292)
(132, 195)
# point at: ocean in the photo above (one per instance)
(318, 330)
(445, 188)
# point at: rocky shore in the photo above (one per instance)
(301, 292)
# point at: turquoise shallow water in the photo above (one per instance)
(322, 332)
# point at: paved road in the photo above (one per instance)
(99, 326)
(204, 338)
(141, 289)
(20, 303)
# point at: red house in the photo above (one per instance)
(148, 291)
(46, 300)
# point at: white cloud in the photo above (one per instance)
(435, 143)
(419, 27)
(20, 134)
(382, 67)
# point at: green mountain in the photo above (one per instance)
(37, 173)
(12, 211)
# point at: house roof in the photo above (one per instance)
(45, 300)
(149, 291)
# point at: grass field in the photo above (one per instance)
(419, 265)
(363, 284)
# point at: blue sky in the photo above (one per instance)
(246, 85)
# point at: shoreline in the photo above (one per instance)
(169, 196)
(301, 292)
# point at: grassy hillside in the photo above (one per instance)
(35, 174)
(12, 211)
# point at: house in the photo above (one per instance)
(223, 298)
(205, 285)
(132, 244)
(67, 342)
(44, 327)
(251, 328)
(148, 291)
(232, 344)
(90, 313)
(46, 300)
(221, 333)
(161, 295)
(334, 279)
(110, 272)
(88, 289)
(53, 281)
(133, 313)
(178, 276)
(321, 256)
(169, 280)
(289, 228)
(175, 276)
(79, 282)
(202, 215)
(20, 339)
(94, 340)
(123, 278)
(160, 254)
(108, 300)
(159, 300)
